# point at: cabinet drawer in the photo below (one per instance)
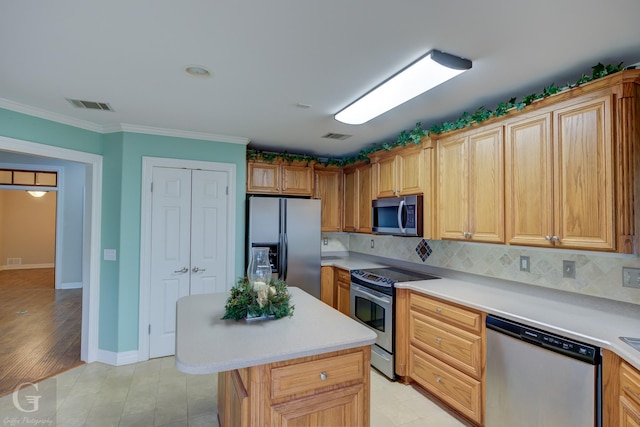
(343, 275)
(459, 348)
(630, 382)
(447, 312)
(314, 376)
(455, 388)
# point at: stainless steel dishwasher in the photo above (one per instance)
(538, 379)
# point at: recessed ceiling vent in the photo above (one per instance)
(90, 105)
(338, 136)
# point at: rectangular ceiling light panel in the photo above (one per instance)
(427, 72)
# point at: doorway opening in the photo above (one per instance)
(89, 251)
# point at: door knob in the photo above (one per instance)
(196, 269)
(182, 270)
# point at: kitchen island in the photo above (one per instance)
(311, 369)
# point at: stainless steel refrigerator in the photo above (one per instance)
(290, 228)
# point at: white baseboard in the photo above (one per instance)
(25, 266)
(117, 359)
(71, 285)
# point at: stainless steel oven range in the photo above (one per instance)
(372, 304)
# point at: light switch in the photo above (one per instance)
(109, 254)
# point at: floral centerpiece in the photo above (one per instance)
(261, 300)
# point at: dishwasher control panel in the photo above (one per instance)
(577, 350)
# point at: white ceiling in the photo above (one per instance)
(266, 56)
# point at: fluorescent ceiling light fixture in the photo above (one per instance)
(427, 72)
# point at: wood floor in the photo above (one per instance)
(40, 327)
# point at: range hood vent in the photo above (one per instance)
(90, 105)
(338, 136)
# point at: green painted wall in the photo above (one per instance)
(122, 176)
(136, 146)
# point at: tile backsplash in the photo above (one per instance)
(597, 274)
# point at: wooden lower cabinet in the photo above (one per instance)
(327, 285)
(441, 347)
(331, 389)
(460, 391)
(343, 290)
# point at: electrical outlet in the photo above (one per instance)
(524, 264)
(631, 277)
(325, 241)
(569, 269)
(372, 244)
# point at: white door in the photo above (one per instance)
(188, 236)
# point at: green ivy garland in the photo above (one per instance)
(467, 119)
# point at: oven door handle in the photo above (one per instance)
(368, 295)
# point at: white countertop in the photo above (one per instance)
(350, 263)
(206, 344)
(596, 321)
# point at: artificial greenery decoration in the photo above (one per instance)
(467, 119)
(272, 301)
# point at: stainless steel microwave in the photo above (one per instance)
(399, 216)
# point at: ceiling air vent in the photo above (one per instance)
(338, 136)
(90, 105)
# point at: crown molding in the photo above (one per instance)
(125, 127)
(48, 115)
(122, 127)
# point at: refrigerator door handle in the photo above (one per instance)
(285, 262)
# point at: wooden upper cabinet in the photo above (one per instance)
(471, 185)
(583, 179)
(364, 199)
(399, 172)
(279, 178)
(328, 188)
(357, 199)
(528, 184)
(559, 185)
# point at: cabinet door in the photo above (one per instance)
(629, 413)
(583, 178)
(296, 180)
(263, 178)
(233, 400)
(328, 188)
(341, 407)
(327, 285)
(350, 200)
(453, 197)
(486, 186)
(386, 177)
(411, 171)
(528, 183)
(343, 303)
(364, 222)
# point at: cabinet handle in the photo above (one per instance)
(196, 269)
(547, 238)
(323, 376)
(182, 270)
(438, 340)
(438, 379)
(438, 310)
(555, 238)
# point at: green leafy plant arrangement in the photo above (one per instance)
(467, 119)
(271, 301)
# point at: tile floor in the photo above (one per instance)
(155, 393)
